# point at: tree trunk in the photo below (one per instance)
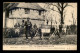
(62, 21)
(61, 26)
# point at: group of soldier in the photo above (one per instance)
(31, 30)
(28, 29)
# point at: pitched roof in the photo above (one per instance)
(25, 5)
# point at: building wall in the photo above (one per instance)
(12, 22)
(20, 13)
(9, 23)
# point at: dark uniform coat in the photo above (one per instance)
(27, 28)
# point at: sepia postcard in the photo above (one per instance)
(39, 26)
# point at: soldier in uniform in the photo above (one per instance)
(28, 26)
(22, 31)
(35, 28)
(17, 29)
(47, 22)
(40, 33)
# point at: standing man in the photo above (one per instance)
(35, 28)
(17, 29)
(28, 26)
(47, 22)
(40, 33)
(22, 27)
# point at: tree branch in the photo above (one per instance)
(55, 10)
(55, 6)
(59, 5)
(67, 5)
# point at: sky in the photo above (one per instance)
(68, 15)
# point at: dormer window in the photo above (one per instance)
(27, 11)
(39, 12)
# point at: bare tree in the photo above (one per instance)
(60, 7)
(74, 21)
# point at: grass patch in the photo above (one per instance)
(54, 40)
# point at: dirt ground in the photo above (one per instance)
(68, 39)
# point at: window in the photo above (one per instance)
(7, 13)
(39, 12)
(27, 11)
